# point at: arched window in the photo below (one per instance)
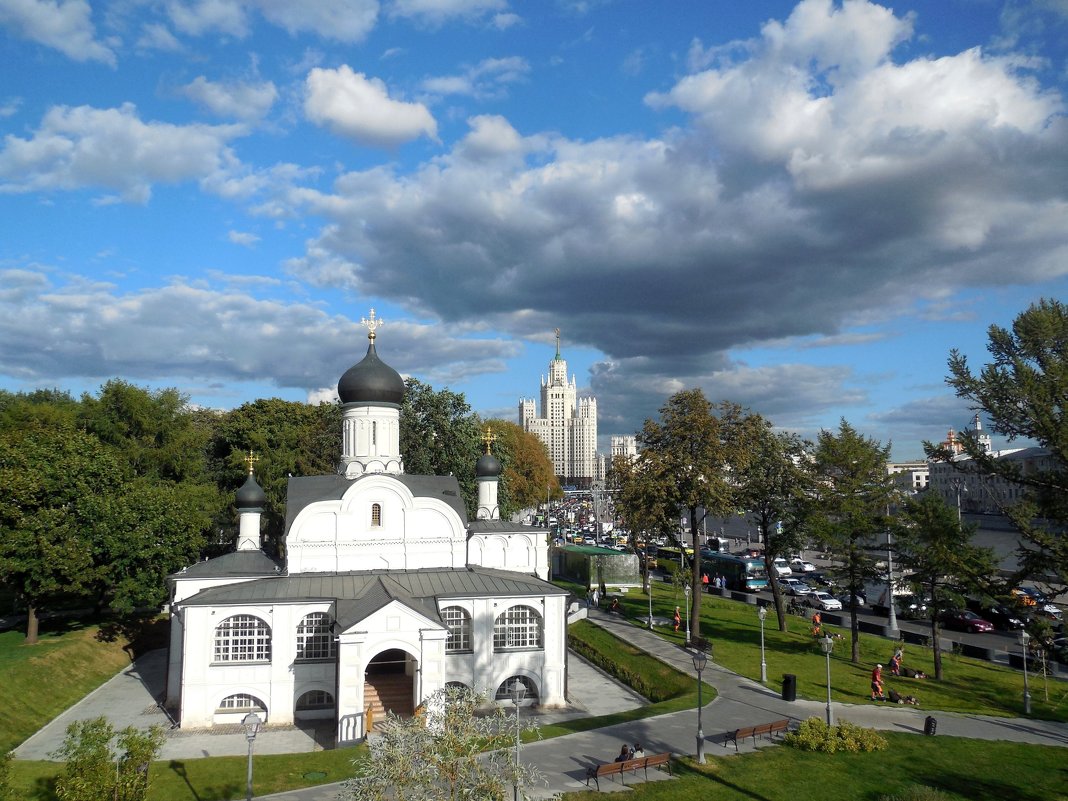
(376, 514)
(241, 702)
(315, 640)
(504, 692)
(242, 638)
(315, 699)
(459, 624)
(517, 627)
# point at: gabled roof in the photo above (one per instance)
(360, 593)
(303, 491)
(238, 564)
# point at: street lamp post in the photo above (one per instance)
(687, 592)
(699, 661)
(519, 692)
(762, 612)
(891, 628)
(1024, 638)
(827, 644)
(251, 724)
(649, 592)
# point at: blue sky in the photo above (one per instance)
(799, 207)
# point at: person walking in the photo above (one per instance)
(677, 618)
(877, 683)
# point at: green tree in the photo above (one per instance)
(644, 502)
(93, 771)
(775, 488)
(938, 552)
(528, 471)
(440, 436)
(288, 438)
(455, 750)
(854, 493)
(696, 447)
(61, 495)
(1023, 391)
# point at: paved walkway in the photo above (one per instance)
(129, 699)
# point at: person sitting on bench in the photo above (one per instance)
(624, 754)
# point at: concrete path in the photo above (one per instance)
(129, 698)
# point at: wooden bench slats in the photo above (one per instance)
(621, 768)
(760, 730)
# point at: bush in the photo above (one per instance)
(815, 735)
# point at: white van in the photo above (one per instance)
(782, 568)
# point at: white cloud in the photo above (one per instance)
(504, 21)
(83, 147)
(64, 25)
(357, 107)
(341, 20)
(487, 79)
(176, 333)
(155, 36)
(238, 99)
(242, 238)
(10, 107)
(821, 180)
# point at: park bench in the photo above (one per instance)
(629, 766)
(761, 730)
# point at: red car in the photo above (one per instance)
(965, 620)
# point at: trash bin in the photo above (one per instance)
(930, 725)
(789, 687)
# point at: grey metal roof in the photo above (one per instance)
(232, 565)
(500, 527)
(305, 490)
(363, 592)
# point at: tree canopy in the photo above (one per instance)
(695, 448)
(935, 549)
(855, 493)
(1024, 392)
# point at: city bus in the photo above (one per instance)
(743, 573)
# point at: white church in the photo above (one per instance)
(387, 592)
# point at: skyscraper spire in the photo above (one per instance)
(557, 344)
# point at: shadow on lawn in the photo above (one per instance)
(219, 793)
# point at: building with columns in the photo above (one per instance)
(387, 592)
(567, 425)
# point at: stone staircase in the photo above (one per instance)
(390, 692)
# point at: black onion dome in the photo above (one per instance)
(371, 381)
(251, 494)
(488, 466)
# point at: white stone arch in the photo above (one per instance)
(301, 688)
(220, 716)
(531, 679)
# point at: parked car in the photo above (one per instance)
(819, 578)
(781, 567)
(965, 620)
(793, 586)
(819, 599)
(799, 565)
(1003, 618)
(1050, 614)
(848, 601)
(1058, 650)
(1030, 596)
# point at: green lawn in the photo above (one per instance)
(969, 685)
(977, 770)
(37, 682)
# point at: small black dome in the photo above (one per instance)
(251, 494)
(488, 466)
(371, 381)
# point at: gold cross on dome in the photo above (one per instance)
(373, 324)
(250, 460)
(488, 438)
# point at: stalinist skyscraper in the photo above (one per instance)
(567, 426)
